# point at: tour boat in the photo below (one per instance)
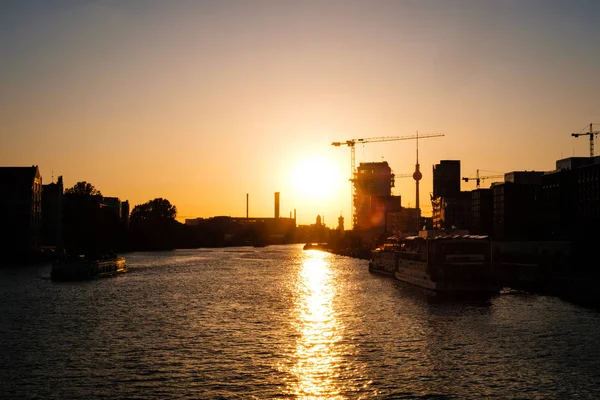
(384, 259)
(450, 264)
(82, 268)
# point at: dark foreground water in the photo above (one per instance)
(280, 322)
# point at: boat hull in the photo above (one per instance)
(418, 273)
(81, 269)
(383, 262)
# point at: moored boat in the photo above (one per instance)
(316, 246)
(384, 259)
(448, 264)
(82, 268)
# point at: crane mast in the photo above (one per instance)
(352, 144)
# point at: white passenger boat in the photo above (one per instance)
(384, 259)
(450, 264)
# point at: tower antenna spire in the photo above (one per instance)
(417, 177)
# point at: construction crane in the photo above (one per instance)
(478, 178)
(352, 143)
(591, 134)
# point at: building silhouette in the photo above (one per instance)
(125, 213)
(20, 209)
(404, 222)
(340, 226)
(373, 200)
(571, 197)
(561, 204)
(451, 208)
(446, 179)
(114, 204)
(518, 207)
(482, 212)
(226, 230)
(53, 202)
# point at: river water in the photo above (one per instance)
(280, 322)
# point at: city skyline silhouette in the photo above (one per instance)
(204, 102)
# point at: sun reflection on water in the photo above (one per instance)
(317, 361)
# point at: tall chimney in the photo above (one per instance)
(246, 205)
(276, 204)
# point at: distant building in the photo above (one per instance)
(381, 207)
(193, 221)
(20, 208)
(120, 208)
(587, 202)
(524, 177)
(562, 204)
(571, 197)
(226, 230)
(340, 226)
(446, 179)
(404, 222)
(52, 214)
(559, 196)
(482, 212)
(518, 211)
(451, 208)
(373, 183)
(125, 213)
(574, 163)
(318, 221)
(113, 203)
(453, 212)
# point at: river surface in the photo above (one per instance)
(279, 322)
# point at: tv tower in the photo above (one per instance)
(417, 176)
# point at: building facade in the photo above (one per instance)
(371, 180)
(446, 179)
(404, 222)
(52, 214)
(451, 208)
(20, 209)
(482, 212)
(571, 197)
(518, 210)
(114, 204)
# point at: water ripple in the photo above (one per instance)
(279, 322)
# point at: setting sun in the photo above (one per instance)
(316, 179)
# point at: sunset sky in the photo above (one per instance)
(201, 102)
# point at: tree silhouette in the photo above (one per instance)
(83, 189)
(153, 225)
(158, 209)
(84, 227)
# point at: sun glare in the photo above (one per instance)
(316, 178)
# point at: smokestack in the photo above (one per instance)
(246, 205)
(294, 214)
(276, 204)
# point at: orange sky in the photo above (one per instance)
(203, 102)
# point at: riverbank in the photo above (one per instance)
(363, 254)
